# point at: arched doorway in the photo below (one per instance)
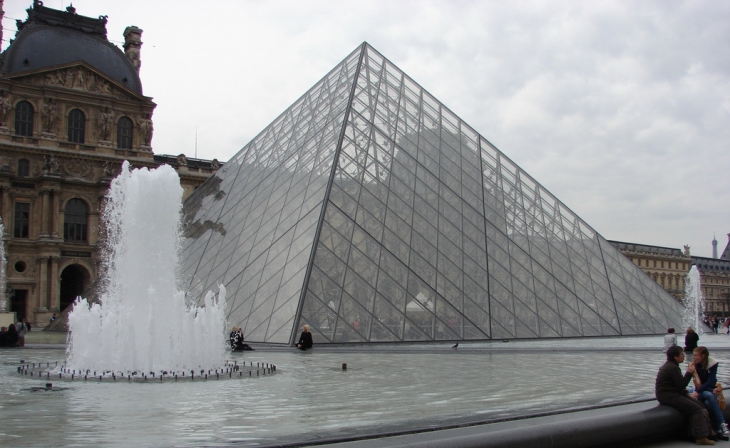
(73, 282)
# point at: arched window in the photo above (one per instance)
(124, 133)
(24, 119)
(75, 220)
(76, 126)
(23, 168)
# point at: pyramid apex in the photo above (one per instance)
(372, 213)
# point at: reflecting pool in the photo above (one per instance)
(393, 388)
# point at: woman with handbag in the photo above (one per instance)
(705, 381)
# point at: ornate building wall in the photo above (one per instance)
(67, 123)
(715, 281)
(666, 266)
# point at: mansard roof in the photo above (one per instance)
(50, 38)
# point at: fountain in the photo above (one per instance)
(143, 323)
(693, 300)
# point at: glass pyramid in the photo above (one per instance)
(371, 212)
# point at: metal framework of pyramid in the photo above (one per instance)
(371, 212)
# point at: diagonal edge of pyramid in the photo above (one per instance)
(361, 51)
(203, 217)
(607, 314)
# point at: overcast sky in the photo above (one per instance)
(619, 108)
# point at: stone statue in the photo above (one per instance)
(182, 160)
(49, 113)
(79, 80)
(132, 45)
(5, 107)
(686, 250)
(51, 165)
(145, 130)
(57, 78)
(107, 170)
(215, 164)
(106, 122)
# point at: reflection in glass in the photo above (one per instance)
(371, 212)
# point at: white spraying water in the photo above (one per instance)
(143, 323)
(3, 269)
(693, 300)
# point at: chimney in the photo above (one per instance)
(132, 45)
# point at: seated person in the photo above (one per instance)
(705, 381)
(670, 390)
(10, 337)
(236, 339)
(305, 340)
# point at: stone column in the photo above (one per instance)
(92, 231)
(45, 211)
(54, 215)
(54, 285)
(6, 210)
(42, 281)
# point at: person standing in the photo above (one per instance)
(690, 340)
(20, 328)
(670, 339)
(670, 390)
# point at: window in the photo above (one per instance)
(22, 220)
(76, 126)
(74, 220)
(24, 119)
(23, 168)
(124, 133)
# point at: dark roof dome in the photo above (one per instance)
(50, 38)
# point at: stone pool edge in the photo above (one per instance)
(618, 425)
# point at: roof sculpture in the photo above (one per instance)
(371, 212)
(50, 38)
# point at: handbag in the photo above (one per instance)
(720, 397)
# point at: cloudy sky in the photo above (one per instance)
(619, 108)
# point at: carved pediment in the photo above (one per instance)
(79, 77)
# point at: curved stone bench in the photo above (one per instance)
(610, 426)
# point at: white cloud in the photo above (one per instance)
(620, 108)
